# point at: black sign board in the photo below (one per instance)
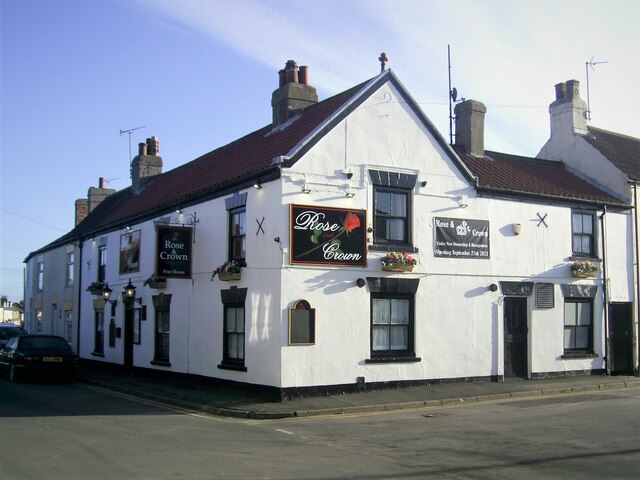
(325, 235)
(461, 238)
(173, 252)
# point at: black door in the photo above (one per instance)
(620, 338)
(515, 337)
(128, 336)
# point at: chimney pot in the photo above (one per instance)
(142, 148)
(560, 91)
(303, 75)
(153, 146)
(101, 182)
(282, 78)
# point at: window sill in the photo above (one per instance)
(230, 366)
(393, 360)
(161, 363)
(577, 355)
(97, 354)
(393, 248)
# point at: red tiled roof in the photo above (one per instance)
(532, 176)
(623, 151)
(245, 158)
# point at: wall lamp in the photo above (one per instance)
(462, 203)
(305, 189)
(349, 194)
(129, 294)
(106, 295)
(257, 185)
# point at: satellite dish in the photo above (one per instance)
(454, 94)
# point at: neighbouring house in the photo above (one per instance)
(612, 161)
(347, 245)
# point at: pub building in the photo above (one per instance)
(347, 245)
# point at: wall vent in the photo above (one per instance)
(544, 295)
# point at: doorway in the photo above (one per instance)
(620, 339)
(515, 337)
(129, 313)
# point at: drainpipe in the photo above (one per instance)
(636, 260)
(605, 292)
(79, 310)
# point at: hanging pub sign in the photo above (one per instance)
(173, 252)
(325, 235)
(461, 238)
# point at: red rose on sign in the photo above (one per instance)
(351, 222)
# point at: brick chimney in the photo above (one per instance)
(294, 93)
(95, 196)
(147, 163)
(470, 126)
(568, 112)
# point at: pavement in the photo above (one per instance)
(205, 395)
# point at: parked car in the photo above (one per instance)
(45, 355)
(8, 331)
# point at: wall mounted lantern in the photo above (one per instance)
(106, 295)
(129, 294)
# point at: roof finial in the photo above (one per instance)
(383, 61)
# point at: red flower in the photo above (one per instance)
(351, 222)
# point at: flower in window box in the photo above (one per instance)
(398, 262)
(583, 269)
(229, 270)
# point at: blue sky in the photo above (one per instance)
(200, 73)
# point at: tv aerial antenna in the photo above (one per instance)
(591, 64)
(453, 96)
(129, 132)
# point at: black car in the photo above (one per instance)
(8, 331)
(46, 355)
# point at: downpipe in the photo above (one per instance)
(605, 292)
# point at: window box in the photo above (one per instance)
(577, 274)
(398, 262)
(156, 282)
(229, 277)
(96, 288)
(583, 269)
(397, 267)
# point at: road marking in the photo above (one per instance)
(284, 431)
(165, 406)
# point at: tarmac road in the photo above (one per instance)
(56, 431)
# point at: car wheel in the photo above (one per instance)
(13, 373)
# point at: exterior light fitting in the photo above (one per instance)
(130, 293)
(349, 194)
(106, 294)
(305, 189)
(257, 185)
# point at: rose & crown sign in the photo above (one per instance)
(326, 235)
(173, 252)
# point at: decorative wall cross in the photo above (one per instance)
(260, 229)
(541, 220)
